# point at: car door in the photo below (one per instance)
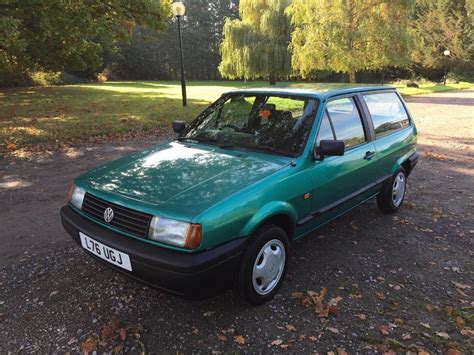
(395, 135)
(341, 182)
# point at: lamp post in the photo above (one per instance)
(178, 10)
(446, 53)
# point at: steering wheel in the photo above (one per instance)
(230, 125)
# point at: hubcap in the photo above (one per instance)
(268, 267)
(398, 189)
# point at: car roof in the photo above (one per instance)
(317, 92)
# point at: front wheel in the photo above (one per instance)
(264, 265)
(393, 192)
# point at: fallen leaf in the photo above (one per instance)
(301, 337)
(290, 328)
(284, 346)
(195, 331)
(239, 339)
(106, 332)
(89, 345)
(460, 285)
(333, 330)
(118, 348)
(11, 147)
(313, 338)
(297, 294)
(406, 336)
(409, 204)
(384, 329)
(426, 325)
(361, 316)
(443, 335)
(341, 351)
(398, 322)
(123, 334)
(115, 323)
(453, 351)
(460, 322)
(208, 313)
(380, 295)
(222, 337)
(277, 342)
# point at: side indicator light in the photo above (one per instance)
(307, 196)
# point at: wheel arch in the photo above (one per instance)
(281, 214)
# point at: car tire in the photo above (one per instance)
(264, 265)
(390, 199)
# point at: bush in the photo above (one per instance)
(41, 78)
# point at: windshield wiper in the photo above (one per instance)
(272, 150)
(197, 140)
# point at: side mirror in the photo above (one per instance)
(178, 126)
(330, 148)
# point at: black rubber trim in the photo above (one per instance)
(189, 274)
(413, 160)
(343, 200)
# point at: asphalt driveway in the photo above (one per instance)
(404, 281)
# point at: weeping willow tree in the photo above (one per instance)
(256, 45)
(348, 35)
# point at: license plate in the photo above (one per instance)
(106, 253)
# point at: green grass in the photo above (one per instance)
(73, 113)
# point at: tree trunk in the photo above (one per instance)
(382, 78)
(272, 79)
(352, 77)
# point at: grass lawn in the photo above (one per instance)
(73, 113)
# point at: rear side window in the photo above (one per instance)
(346, 121)
(387, 112)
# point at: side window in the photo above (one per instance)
(325, 130)
(387, 112)
(346, 121)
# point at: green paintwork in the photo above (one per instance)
(231, 192)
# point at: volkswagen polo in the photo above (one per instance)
(220, 204)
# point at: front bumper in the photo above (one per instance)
(194, 275)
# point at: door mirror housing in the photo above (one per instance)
(330, 148)
(179, 126)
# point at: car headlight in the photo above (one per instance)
(177, 233)
(76, 196)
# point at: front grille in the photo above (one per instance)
(125, 219)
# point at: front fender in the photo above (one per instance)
(267, 211)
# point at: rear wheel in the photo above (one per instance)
(264, 265)
(393, 192)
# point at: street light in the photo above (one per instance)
(446, 53)
(178, 10)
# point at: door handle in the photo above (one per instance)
(369, 155)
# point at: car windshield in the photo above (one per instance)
(268, 123)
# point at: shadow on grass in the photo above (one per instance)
(75, 113)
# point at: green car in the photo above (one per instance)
(219, 205)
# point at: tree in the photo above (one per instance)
(256, 45)
(439, 25)
(348, 35)
(155, 55)
(70, 34)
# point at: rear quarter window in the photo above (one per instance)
(387, 112)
